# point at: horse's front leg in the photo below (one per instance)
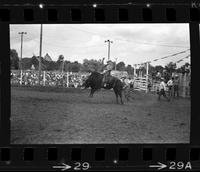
(117, 99)
(120, 94)
(116, 95)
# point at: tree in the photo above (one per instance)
(51, 66)
(75, 67)
(26, 63)
(60, 58)
(121, 66)
(158, 68)
(91, 65)
(170, 67)
(130, 69)
(151, 69)
(60, 62)
(35, 62)
(67, 66)
(184, 68)
(14, 59)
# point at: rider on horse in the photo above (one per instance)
(107, 72)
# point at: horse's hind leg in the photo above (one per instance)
(120, 94)
(91, 93)
(116, 96)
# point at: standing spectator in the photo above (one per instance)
(149, 85)
(127, 90)
(187, 68)
(158, 75)
(170, 86)
(162, 90)
(131, 89)
(176, 86)
(132, 83)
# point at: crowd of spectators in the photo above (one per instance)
(48, 78)
(55, 78)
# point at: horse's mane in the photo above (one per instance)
(96, 75)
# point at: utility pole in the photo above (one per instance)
(147, 75)
(63, 64)
(108, 41)
(20, 61)
(40, 53)
(135, 66)
(116, 63)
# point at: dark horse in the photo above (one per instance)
(95, 81)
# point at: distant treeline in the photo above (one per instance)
(86, 66)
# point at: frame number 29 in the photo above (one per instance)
(180, 165)
(81, 166)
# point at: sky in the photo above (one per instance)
(132, 43)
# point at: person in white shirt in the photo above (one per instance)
(170, 84)
(127, 90)
(162, 89)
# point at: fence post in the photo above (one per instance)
(67, 79)
(20, 78)
(147, 76)
(44, 78)
(63, 79)
(134, 70)
(184, 85)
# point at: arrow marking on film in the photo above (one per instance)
(159, 166)
(63, 167)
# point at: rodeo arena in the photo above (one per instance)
(108, 106)
(60, 110)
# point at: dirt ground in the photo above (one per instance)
(68, 116)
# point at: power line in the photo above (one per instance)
(161, 58)
(152, 44)
(180, 60)
(136, 42)
(61, 46)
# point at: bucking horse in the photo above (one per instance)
(96, 81)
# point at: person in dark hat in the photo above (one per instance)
(176, 86)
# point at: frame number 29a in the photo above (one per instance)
(180, 165)
(81, 166)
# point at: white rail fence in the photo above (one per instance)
(48, 78)
(69, 79)
(141, 83)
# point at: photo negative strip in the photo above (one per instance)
(98, 86)
(100, 83)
